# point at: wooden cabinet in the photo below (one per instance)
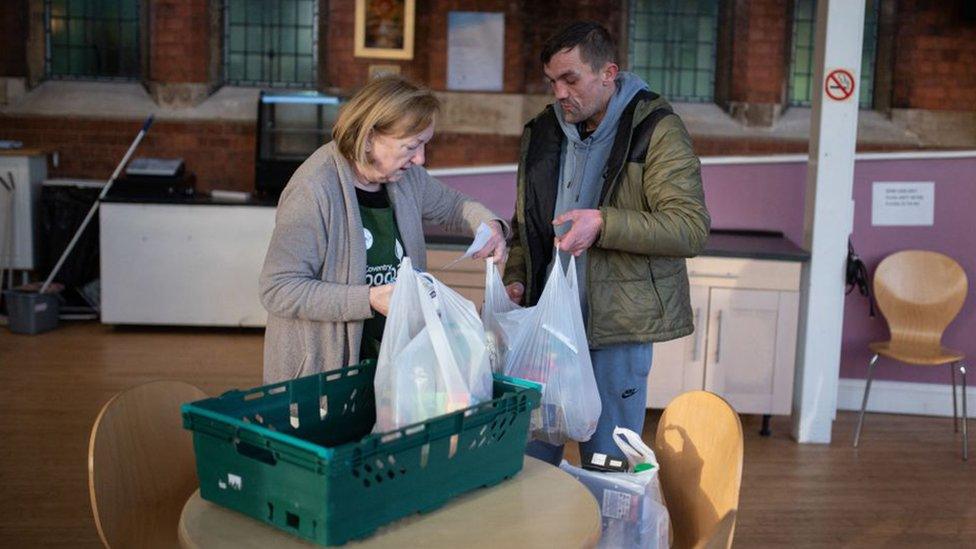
(679, 364)
(744, 344)
(466, 277)
(751, 348)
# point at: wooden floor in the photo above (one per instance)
(905, 487)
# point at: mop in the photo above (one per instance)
(94, 208)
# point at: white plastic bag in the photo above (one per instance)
(433, 358)
(501, 317)
(550, 347)
(631, 504)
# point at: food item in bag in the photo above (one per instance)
(433, 358)
(468, 344)
(632, 510)
(550, 347)
(632, 504)
(501, 317)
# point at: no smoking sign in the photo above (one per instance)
(839, 84)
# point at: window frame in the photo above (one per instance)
(864, 102)
(227, 52)
(140, 49)
(671, 81)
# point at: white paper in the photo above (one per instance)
(475, 51)
(903, 203)
(481, 237)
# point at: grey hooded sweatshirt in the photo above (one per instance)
(582, 162)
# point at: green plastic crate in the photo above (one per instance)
(299, 454)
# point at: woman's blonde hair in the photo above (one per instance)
(388, 105)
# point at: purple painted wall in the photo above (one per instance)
(953, 234)
(756, 196)
(497, 190)
(770, 196)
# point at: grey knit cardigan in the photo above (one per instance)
(313, 283)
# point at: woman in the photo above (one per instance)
(349, 214)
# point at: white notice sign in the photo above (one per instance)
(903, 203)
(475, 51)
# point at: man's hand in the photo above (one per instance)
(379, 298)
(515, 292)
(585, 229)
(495, 247)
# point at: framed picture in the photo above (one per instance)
(384, 29)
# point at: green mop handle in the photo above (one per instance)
(94, 208)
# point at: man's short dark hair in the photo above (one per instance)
(596, 46)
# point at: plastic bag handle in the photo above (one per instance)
(493, 284)
(570, 272)
(571, 275)
(631, 444)
(438, 336)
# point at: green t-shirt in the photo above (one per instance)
(384, 250)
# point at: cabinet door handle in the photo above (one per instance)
(694, 348)
(718, 338)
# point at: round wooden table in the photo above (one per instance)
(540, 507)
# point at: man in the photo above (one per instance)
(608, 171)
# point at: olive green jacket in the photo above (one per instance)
(654, 216)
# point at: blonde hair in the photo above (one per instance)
(388, 105)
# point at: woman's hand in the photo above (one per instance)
(379, 298)
(495, 247)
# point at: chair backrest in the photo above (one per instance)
(699, 448)
(141, 468)
(919, 293)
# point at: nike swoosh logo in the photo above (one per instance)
(629, 393)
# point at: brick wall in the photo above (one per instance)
(346, 71)
(179, 33)
(454, 149)
(13, 38)
(759, 55)
(437, 41)
(935, 55)
(547, 17)
(220, 153)
(934, 69)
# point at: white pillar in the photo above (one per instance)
(829, 215)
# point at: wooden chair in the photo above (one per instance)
(141, 467)
(721, 536)
(919, 293)
(699, 447)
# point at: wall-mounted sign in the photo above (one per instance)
(903, 204)
(475, 51)
(839, 84)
